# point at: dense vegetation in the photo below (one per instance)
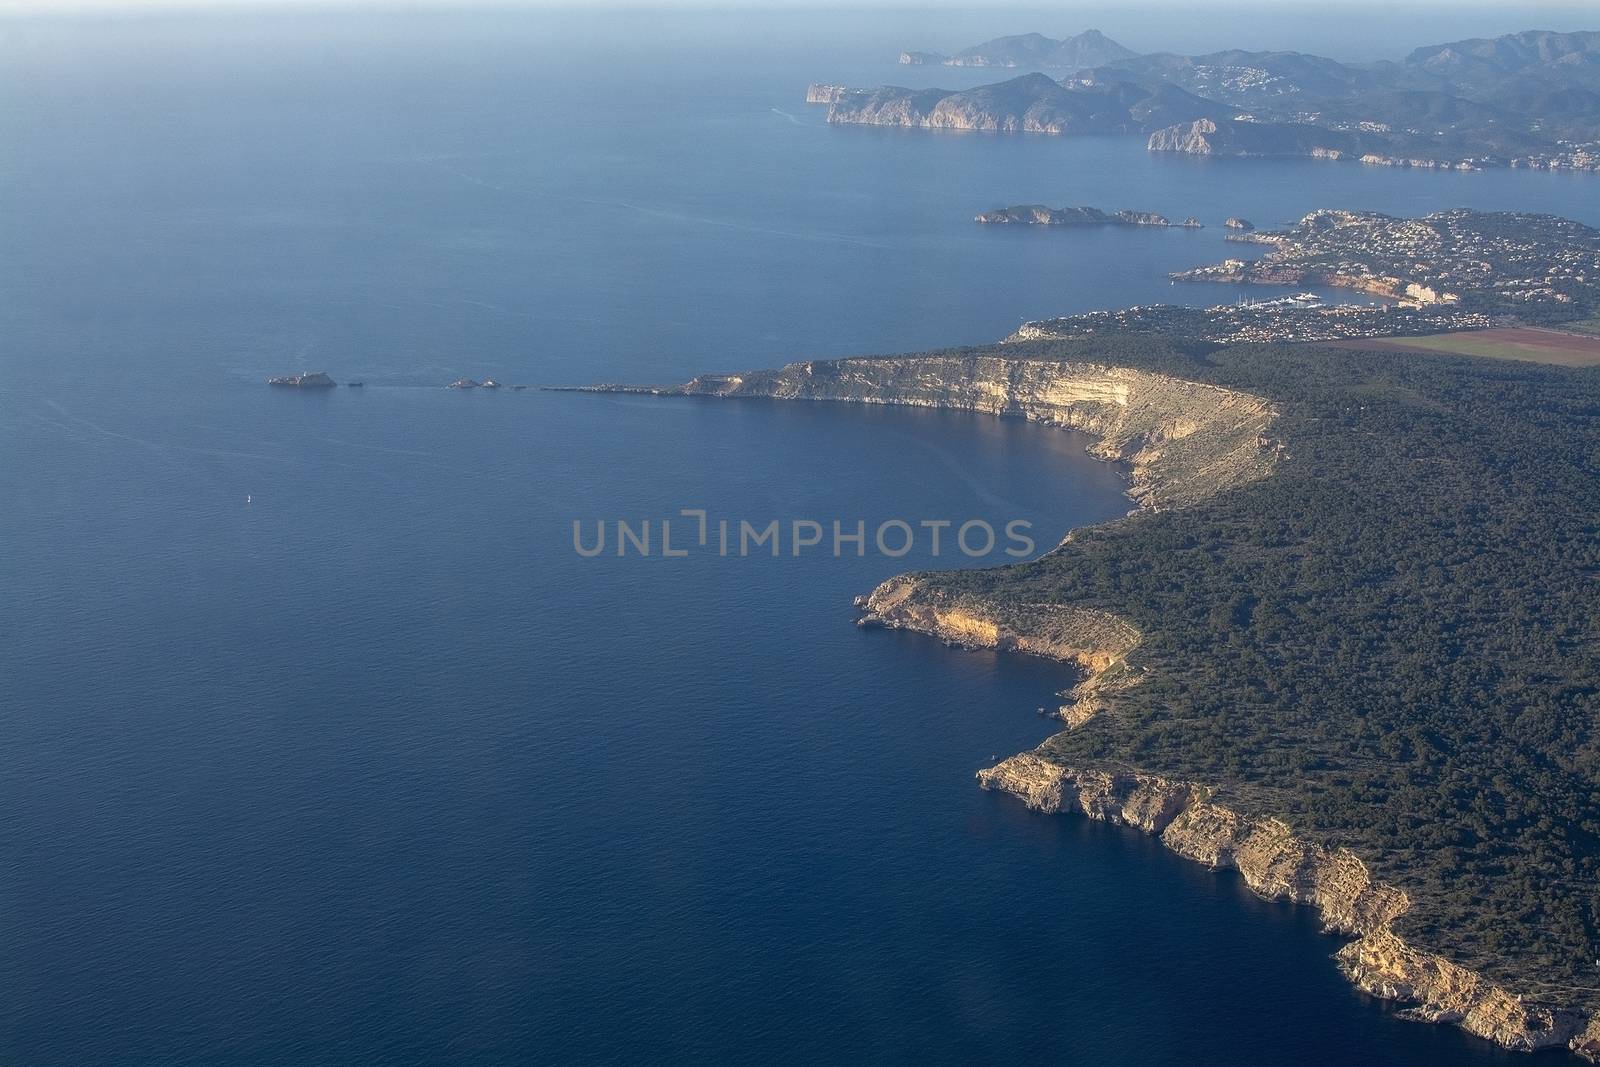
(1392, 642)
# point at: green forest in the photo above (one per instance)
(1391, 642)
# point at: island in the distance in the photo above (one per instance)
(308, 380)
(1345, 644)
(1039, 215)
(1522, 100)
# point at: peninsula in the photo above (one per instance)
(1529, 99)
(1344, 644)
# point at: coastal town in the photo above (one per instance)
(1303, 317)
(1482, 261)
(1450, 271)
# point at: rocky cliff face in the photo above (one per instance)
(818, 93)
(1096, 641)
(1039, 215)
(1032, 103)
(1184, 441)
(1230, 137)
(1279, 866)
(1191, 137)
(1143, 218)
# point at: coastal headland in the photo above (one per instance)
(1343, 644)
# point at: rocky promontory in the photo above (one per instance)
(1183, 441)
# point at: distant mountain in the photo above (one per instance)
(1535, 51)
(1167, 104)
(1090, 48)
(1246, 79)
(1526, 99)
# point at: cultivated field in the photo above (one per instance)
(1528, 344)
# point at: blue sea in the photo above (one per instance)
(320, 743)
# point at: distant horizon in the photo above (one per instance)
(1054, 11)
(1364, 33)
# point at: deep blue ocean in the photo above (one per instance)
(375, 768)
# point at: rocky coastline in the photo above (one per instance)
(1184, 443)
(1277, 865)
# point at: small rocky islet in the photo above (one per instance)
(320, 380)
(1040, 215)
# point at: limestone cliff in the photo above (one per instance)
(1277, 865)
(1184, 441)
(1096, 641)
(1032, 103)
(819, 93)
(1230, 137)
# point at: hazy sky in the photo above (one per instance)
(1056, 10)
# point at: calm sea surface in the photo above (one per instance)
(375, 768)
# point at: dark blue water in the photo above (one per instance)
(375, 768)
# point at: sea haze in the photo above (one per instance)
(374, 767)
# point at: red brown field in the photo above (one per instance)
(1523, 343)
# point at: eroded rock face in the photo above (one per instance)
(1384, 965)
(1094, 640)
(1143, 801)
(1230, 137)
(1192, 137)
(1277, 865)
(1032, 103)
(1185, 441)
(1040, 215)
(1142, 218)
(818, 93)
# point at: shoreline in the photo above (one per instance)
(1135, 417)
